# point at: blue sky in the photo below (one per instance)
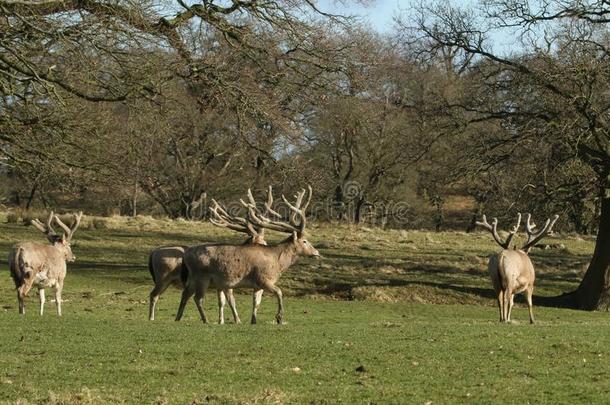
(380, 13)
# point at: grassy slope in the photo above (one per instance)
(104, 349)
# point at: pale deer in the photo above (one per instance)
(512, 271)
(248, 266)
(38, 265)
(164, 263)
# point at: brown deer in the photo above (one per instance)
(36, 264)
(512, 271)
(248, 266)
(164, 263)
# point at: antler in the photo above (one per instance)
(220, 217)
(268, 205)
(534, 237)
(47, 228)
(69, 231)
(298, 211)
(493, 228)
(293, 225)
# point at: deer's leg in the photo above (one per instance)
(154, 298)
(21, 301)
(257, 296)
(186, 294)
(199, 297)
(506, 304)
(511, 302)
(58, 288)
(279, 317)
(231, 299)
(42, 300)
(501, 304)
(221, 305)
(530, 307)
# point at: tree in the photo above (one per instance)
(558, 84)
(245, 68)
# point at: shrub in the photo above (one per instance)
(98, 223)
(12, 217)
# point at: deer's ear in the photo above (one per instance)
(62, 239)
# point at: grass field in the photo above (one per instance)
(385, 317)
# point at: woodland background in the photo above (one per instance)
(155, 107)
(129, 107)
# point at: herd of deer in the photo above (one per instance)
(253, 264)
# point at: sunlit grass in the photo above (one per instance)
(386, 316)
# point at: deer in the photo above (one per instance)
(33, 264)
(248, 266)
(164, 263)
(511, 270)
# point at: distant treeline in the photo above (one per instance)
(131, 108)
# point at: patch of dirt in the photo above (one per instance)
(416, 293)
(391, 270)
(85, 396)
(270, 396)
(377, 294)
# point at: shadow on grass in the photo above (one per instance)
(405, 268)
(345, 289)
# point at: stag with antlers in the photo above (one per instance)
(512, 271)
(249, 266)
(35, 264)
(164, 263)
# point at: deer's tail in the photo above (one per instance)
(184, 273)
(150, 267)
(501, 271)
(18, 268)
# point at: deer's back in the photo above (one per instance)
(515, 269)
(34, 254)
(37, 258)
(232, 265)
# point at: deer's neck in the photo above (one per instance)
(286, 254)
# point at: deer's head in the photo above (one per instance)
(61, 242)
(66, 238)
(64, 245)
(304, 247)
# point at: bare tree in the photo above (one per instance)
(563, 64)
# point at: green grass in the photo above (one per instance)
(414, 309)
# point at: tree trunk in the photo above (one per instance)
(339, 204)
(439, 218)
(31, 196)
(472, 226)
(594, 289)
(134, 200)
(358, 211)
